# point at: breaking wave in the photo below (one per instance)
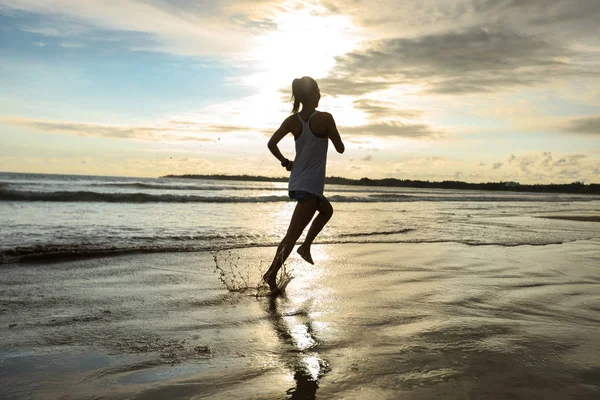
(90, 196)
(86, 196)
(191, 187)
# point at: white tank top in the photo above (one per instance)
(308, 171)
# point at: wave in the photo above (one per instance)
(50, 252)
(394, 232)
(391, 196)
(89, 196)
(65, 252)
(159, 186)
(86, 196)
(541, 197)
(191, 187)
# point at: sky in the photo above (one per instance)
(470, 90)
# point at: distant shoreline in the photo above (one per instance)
(575, 187)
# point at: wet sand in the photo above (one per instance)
(376, 321)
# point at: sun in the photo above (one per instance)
(304, 42)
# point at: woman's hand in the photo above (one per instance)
(289, 166)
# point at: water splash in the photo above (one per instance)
(240, 277)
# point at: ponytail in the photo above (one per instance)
(296, 106)
(295, 94)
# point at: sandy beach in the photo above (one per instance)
(381, 321)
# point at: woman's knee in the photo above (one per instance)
(327, 210)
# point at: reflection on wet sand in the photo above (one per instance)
(299, 344)
(416, 321)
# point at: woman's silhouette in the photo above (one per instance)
(312, 131)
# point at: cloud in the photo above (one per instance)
(546, 158)
(220, 128)
(149, 133)
(72, 45)
(523, 162)
(431, 160)
(496, 165)
(524, 168)
(466, 61)
(348, 86)
(569, 161)
(178, 27)
(388, 120)
(585, 125)
(377, 109)
(392, 130)
(577, 14)
(569, 18)
(544, 167)
(45, 31)
(367, 158)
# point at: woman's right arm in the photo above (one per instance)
(334, 135)
(276, 138)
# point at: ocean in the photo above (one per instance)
(46, 216)
(146, 288)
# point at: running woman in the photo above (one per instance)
(312, 131)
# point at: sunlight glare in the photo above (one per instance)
(302, 337)
(304, 43)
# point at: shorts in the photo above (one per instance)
(302, 195)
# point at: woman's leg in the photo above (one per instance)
(325, 212)
(303, 213)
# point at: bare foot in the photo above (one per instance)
(271, 280)
(305, 254)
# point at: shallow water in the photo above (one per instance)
(416, 321)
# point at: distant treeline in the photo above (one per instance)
(575, 187)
